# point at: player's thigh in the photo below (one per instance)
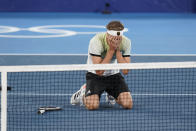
(117, 86)
(94, 86)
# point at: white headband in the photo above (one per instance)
(117, 33)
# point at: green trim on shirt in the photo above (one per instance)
(105, 44)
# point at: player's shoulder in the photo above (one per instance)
(126, 40)
(126, 43)
(97, 41)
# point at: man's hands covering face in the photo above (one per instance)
(114, 42)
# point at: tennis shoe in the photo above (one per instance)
(77, 98)
(110, 99)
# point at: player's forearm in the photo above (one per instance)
(106, 60)
(121, 59)
(108, 57)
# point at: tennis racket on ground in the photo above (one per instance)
(41, 110)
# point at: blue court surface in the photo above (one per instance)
(69, 33)
(164, 99)
(63, 38)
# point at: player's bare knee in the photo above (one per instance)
(92, 102)
(93, 106)
(127, 104)
(125, 100)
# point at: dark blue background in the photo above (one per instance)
(184, 6)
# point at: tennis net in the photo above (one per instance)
(164, 98)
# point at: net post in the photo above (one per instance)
(4, 101)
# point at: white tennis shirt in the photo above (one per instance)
(98, 47)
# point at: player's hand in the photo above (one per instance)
(114, 42)
(112, 45)
(117, 41)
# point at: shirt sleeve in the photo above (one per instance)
(95, 47)
(127, 48)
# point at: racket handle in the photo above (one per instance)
(41, 111)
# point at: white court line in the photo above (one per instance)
(16, 54)
(34, 94)
(163, 54)
(87, 54)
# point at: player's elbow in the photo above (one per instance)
(125, 72)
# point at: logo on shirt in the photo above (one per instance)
(88, 92)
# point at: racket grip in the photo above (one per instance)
(41, 111)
